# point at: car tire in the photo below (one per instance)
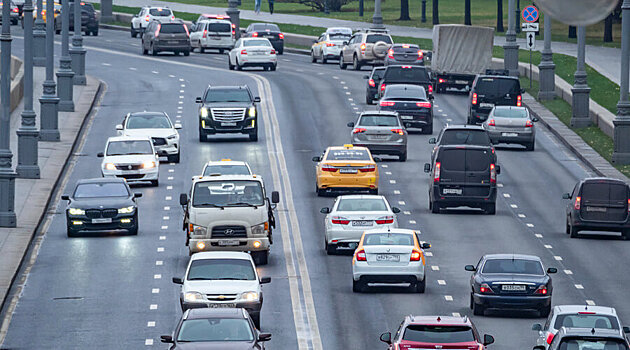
(368, 100)
(421, 286)
(256, 319)
(358, 286)
(153, 51)
(490, 209)
(402, 157)
(220, 51)
(324, 60)
(134, 33)
(155, 183)
(260, 257)
(313, 58)
(133, 231)
(273, 68)
(356, 65)
(203, 137)
(174, 158)
(238, 66)
(72, 233)
(530, 146)
(573, 232)
(201, 49)
(545, 311)
(434, 207)
(341, 64)
(281, 51)
(478, 309)
(253, 136)
(625, 234)
(331, 249)
(144, 51)
(230, 65)
(95, 33)
(427, 130)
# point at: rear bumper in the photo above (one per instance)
(512, 302)
(584, 225)
(377, 148)
(457, 201)
(411, 273)
(521, 138)
(169, 47)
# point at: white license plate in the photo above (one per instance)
(596, 209)
(509, 134)
(406, 117)
(228, 242)
(222, 305)
(102, 221)
(347, 171)
(380, 137)
(215, 37)
(461, 82)
(387, 257)
(457, 191)
(513, 287)
(228, 124)
(486, 105)
(361, 223)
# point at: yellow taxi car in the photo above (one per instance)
(346, 169)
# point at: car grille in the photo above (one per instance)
(221, 297)
(98, 213)
(228, 114)
(158, 141)
(131, 176)
(229, 231)
(128, 166)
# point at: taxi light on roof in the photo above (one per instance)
(226, 160)
(347, 145)
(405, 46)
(201, 245)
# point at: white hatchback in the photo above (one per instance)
(132, 158)
(158, 127)
(351, 215)
(252, 52)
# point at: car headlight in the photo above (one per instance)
(203, 112)
(193, 296)
(76, 211)
(199, 230)
(110, 166)
(148, 164)
(172, 137)
(126, 210)
(250, 296)
(260, 229)
(252, 111)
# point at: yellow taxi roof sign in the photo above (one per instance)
(226, 160)
(348, 145)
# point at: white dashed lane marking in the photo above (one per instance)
(155, 291)
(412, 222)
(558, 258)
(170, 178)
(392, 181)
(499, 185)
(506, 195)
(166, 217)
(521, 215)
(155, 72)
(388, 173)
(157, 276)
(530, 225)
(133, 68)
(151, 324)
(401, 203)
(171, 76)
(164, 227)
(162, 238)
(407, 212)
(538, 235)
(568, 272)
(579, 286)
(167, 208)
(180, 79)
(448, 298)
(160, 249)
(428, 253)
(148, 342)
(441, 282)
(106, 64)
(456, 314)
(548, 246)
(514, 206)
(171, 170)
(435, 268)
(159, 263)
(396, 192)
(168, 198)
(153, 307)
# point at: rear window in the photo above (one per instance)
(586, 320)
(592, 344)
(362, 204)
(497, 86)
(388, 238)
(513, 266)
(219, 27)
(160, 12)
(339, 36)
(374, 38)
(604, 191)
(405, 92)
(465, 137)
(465, 160)
(172, 28)
(411, 74)
(348, 154)
(507, 112)
(378, 120)
(257, 42)
(263, 26)
(439, 334)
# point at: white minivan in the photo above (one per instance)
(215, 34)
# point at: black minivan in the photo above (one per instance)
(411, 75)
(492, 90)
(599, 204)
(463, 175)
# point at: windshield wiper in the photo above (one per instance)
(134, 153)
(208, 205)
(230, 279)
(197, 279)
(238, 204)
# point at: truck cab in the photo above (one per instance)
(229, 213)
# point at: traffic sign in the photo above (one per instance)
(530, 40)
(530, 14)
(529, 27)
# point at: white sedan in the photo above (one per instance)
(351, 215)
(132, 158)
(252, 52)
(158, 127)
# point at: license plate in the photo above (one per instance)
(406, 117)
(509, 134)
(387, 257)
(513, 287)
(461, 82)
(457, 191)
(347, 171)
(102, 221)
(228, 242)
(173, 42)
(361, 223)
(228, 124)
(215, 37)
(486, 105)
(222, 305)
(380, 137)
(596, 209)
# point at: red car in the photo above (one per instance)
(436, 332)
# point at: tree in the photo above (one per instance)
(467, 20)
(404, 10)
(500, 28)
(436, 13)
(608, 29)
(320, 5)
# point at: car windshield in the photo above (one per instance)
(215, 329)
(221, 269)
(153, 121)
(160, 12)
(378, 120)
(219, 27)
(507, 112)
(439, 334)
(362, 204)
(227, 95)
(172, 28)
(120, 148)
(226, 169)
(256, 42)
(513, 266)
(348, 154)
(406, 74)
(592, 344)
(586, 319)
(102, 189)
(374, 38)
(228, 193)
(493, 87)
(388, 238)
(465, 137)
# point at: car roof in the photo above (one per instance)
(436, 320)
(221, 255)
(512, 256)
(202, 313)
(601, 178)
(463, 127)
(128, 138)
(572, 309)
(481, 76)
(385, 113)
(509, 107)
(228, 87)
(226, 162)
(97, 180)
(148, 113)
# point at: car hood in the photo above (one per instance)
(99, 203)
(216, 346)
(149, 132)
(220, 286)
(500, 277)
(129, 159)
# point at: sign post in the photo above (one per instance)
(530, 15)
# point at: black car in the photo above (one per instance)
(461, 135)
(587, 338)
(89, 20)
(228, 109)
(510, 281)
(411, 75)
(373, 82)
(166, 35)
(463, 175)
(267, 30)
(599, 204)
(492, 90)
(411, 103)
(216, 328)
(103, 204)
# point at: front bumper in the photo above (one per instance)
(79, 223)
(411, 273)
(512, 301)
(210, 126)
(214, 244)
(133, 175)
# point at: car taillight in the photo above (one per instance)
(15, 9)
(542, 290)
(243, 52)
(415, 256)
(147, 18)
(387, 103)
(281, 35)
(493, 174)
(474, 98)
(430, 89)
(233, 29)
(629, 205)
(157, 31)
(330, 44)
(340, 220)
(519, 101)
(436, 172)
(360, 255)
(255, 34)
(398, 131)
(423, 104)
(405, 67)
(205, 33)
(382, 87)
(359, 130)
(529, 124)
(578, 202)
(371, 83)
(420, 54)
(384, 220)
(485, 288)
(491, 122)
(441, 80)
(549, 338)
(390, 53)
(329, 168)
(362, 47)
(368, 168)
(273, 52)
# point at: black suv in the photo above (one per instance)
(89, 21)
(414, 75)
(599, 204)
(461, 135)
(463, 175)
(492, 90)
(228, 109)
(373, 81)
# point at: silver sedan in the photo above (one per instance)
(509, 124)
(381, 133)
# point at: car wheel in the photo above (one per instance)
(174, 158)
(238, 66)
(368, 99)
(402, 157)
(490, 209)
(478, 309)
(87, 33)
(435, 207)
(625, 234)
(573, 231)
(319, 191)
(187, 53)
(203, 137)
(144, 51)
(427, 130)
(273, 68)
(230, 65)
(153, 51)
(221, 51)
(358, 286)
(331, 249)
(545, 311)
(95, 33)
(341, 64)
(324, 59)
(253, 136)
(260, 257)
(133, 32)
(155, 183)
(530, 146)
(133, 231)
(567, 227)
(356, 65)
(313, 58)
(281, 51)
(201, 49)
(421, 286)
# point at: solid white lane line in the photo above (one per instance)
(441, 282)
(159, 263)
(155, 291)
(153, 307)
(568, 272)
(157, 276)
(579, 286)
(448, 298)
(435, 268)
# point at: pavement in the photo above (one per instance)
(605, 60)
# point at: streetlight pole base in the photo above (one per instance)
(510, 52)
(547, 77)
(28, 136)
(7, 206)
(580, 106)
(621, 152)
(49, 130)
(65, 88)
(78, 65)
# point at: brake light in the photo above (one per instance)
(549, 337)
(363, 47)
(243, 52)
(398, 131)
(436, 172)
(474, 98)
(360, 255)
(368, 168)
(519, 101)
(330, 44)
(371, 83)
(281, 35)
(577, 204)
(430, 89)
(173, 17)
(15, 9)
(491, 122)
(493, 174)
(529, 124)
(340, 220)
(329, 168)
(273, 52)
(415, 255)
(406, 67)
(420, 54)
(423, 104)
(387, 103)
(485, 288)
(542, 290)
(382, 87)
(359, 130)
(233, 29)
(441, 80)
(205, 33)
(157, 31)
(147, 18)
(255, 34)
(390, 53)
(384, 220)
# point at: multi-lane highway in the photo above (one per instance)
(116, 291)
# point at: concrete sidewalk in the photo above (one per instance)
(605, 60)
(32, 196)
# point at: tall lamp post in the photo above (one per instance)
(621, 153)
(7, 175)
(510, 48)
(547, 88)
(77, 51)
(65, 74)
(423, 19)
(49, 126)
(39, 37)
(580, 89)
(377, 19)
(28, 133)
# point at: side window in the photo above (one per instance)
(575, 190)
(238, 43)
(479, 264)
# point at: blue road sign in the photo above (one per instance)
(530, 14)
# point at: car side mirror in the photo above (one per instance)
(535, 120)
(470, 268)
(552, 270)
(135, 16)
(425, 245)
(566, 196)
(431, 97)
(256, 99)
(317, 159)
(137, 195)
(183, 199)
(166, 339)
(366, 77)
(378, 159)
(178, 280)
(65, 197)
(198, 100)
(432, 141)
(314, 41)
(497, 168)
(100, 154)
(119, 127)
(350, 125)
(626, 329)
(265, 280)
(536, 327)
(522, 91)
(488, 339)
(264, 337)
(395, 210)
(275, 197)
(427, 167)
(345, 43)
(386, 338)
(325, 210)
(178, 126)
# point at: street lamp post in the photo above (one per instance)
(580, 89)
(77, 51)
(65, 74)
(510, 49)
(233, 12)
(49, 126)
(377, 19)
(106, 11)
(28, 134)
(39, 37)
(547, 88)
(423, 19)
(7, 175)
(621, 153)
